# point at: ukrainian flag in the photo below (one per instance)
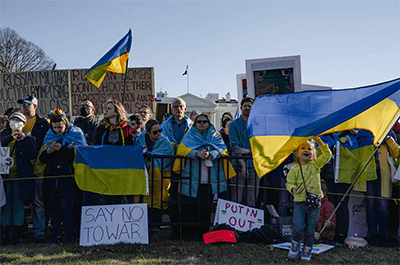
(111, 170)
(115, 60)
(278, 124)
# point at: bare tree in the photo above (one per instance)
(20, 55)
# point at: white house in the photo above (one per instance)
(210, 105)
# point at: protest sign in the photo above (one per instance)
(4, 164)
(238, 216)
(317, 248)
(49, 87)
(111, 224)
(139, 89)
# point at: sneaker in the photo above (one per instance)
(306, 255)
(294, 250)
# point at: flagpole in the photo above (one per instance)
(187, 76)
(126, 73)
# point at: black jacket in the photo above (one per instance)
(59, 163)
(25, 152)
(89, 128)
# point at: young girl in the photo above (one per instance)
(305, 218)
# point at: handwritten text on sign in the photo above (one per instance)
(238, 216)
(139, 89)
(49, 87)
(4, 164)
(111, 224)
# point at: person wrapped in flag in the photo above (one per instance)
(57, 155)
(203, 174)
(159, 169)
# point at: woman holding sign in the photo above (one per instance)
(23, 149)
(204, 174)
(57, 153)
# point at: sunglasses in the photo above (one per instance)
(27, 104)
(156, 131)
(202, 121)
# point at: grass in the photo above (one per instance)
(185, 252)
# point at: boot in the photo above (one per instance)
(294, 250)
(17, 235)
(5, 235)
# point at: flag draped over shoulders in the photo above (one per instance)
(115, 60)
(74, 136)
(111, 170)
(166, 127)
(194, 140)
(278, 124)
(159, 172)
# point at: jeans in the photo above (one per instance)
(38, 212)
(61, 209)
(305, 221)
(238, 185)
(377, 210)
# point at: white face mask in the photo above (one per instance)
(16, 125)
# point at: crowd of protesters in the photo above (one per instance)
(45, 147)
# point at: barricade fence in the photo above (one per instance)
(187, 191)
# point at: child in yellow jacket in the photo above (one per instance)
(305, 218)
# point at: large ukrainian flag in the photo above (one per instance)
(278, 124)
(115, 60)
(111, 170)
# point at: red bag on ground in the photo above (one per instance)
(219, 236)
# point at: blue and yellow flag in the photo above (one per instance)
(115, 60)
(278, 124)
(111, 170)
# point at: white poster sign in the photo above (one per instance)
(4, 164)
(111, 224)
(238, 216)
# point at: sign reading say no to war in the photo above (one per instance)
(111, 224)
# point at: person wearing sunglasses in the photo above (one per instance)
(38, 127)
(204, 175)
(159, 172)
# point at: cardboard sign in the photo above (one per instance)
(219, 236)
(49, 87)
(238, 216)
(4, 164)
(317, 248)
(139, 89)
(111, 224)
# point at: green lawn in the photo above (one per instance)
(185, 252)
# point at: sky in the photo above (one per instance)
(342, 44)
